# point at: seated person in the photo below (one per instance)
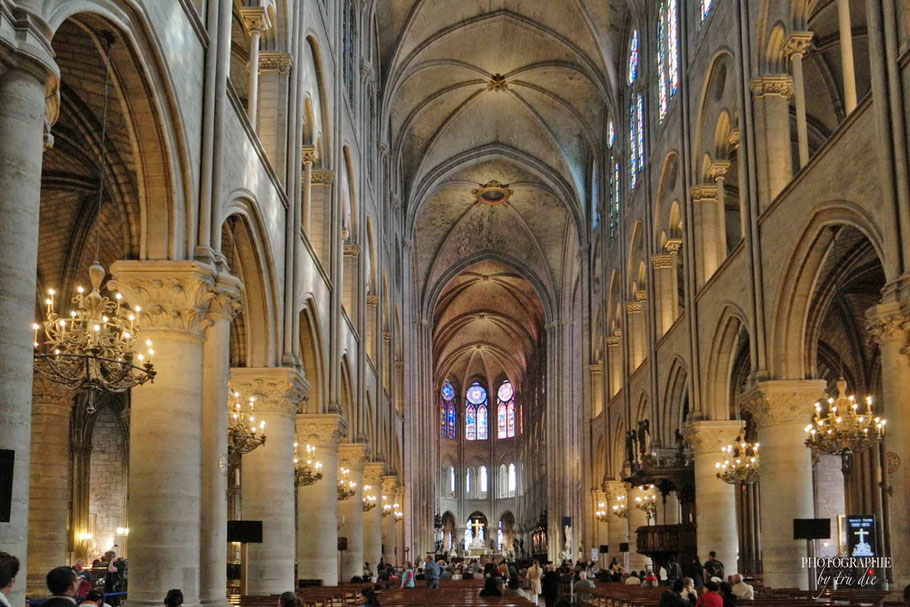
(489, 588)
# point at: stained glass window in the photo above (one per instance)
(667, 55)
(501, 420)
(505, 410)
(483, 481)
(349, 52)
(634, 57)
(476, 413)
(615, 189)
(636, 138)
(611, 134)
(447, 410)
(513, 480)
(705, 8)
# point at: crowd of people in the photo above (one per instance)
(102, 586)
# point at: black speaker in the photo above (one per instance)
(624, 546)
(811, 528)
(342, 543)
(7, 459)
(604, 549)
(245, 532)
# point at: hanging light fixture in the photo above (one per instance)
(844, 429)
(346, 487)
(369, 498)
(386, 506)
(244, 433)
(95, 347)
(621, 507)
(396, 510)
(646, 501)
(602, 515)
(307, 471)
(740, 465)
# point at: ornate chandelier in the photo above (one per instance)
(844, 429)
(346, 487)
(94, 348)
(369, 498)
(647, 501)
(307, 470)
(244, 434)
(621, 507)
(601, 514)
(386, 506)
(399, 515)
(740, 465)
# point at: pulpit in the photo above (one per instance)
(660, 541)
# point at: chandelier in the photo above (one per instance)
(346, 487)
(740, 465)
(94, 347)
(601, 514)
(244, 434)
(647, 501)
(844, 429)
(306, 471)
(399, 515)
(621, 507)
(369, 498)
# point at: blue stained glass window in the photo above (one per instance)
(470, 422)
(476, 394)
(634, 58)
(667, 55)
(611, 134)
(483, 432)
(505, 410)
(706, 8)
(615, 185)
(636, 138)
(476, 413)
(447, 410)
(450, 420)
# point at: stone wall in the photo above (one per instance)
(107, 490)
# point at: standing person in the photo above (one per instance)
(696, 571)
(9, 569)
(114, 578)
(173, 598)
(407, 576)
(535, 575)
(62, 582)
(710, 597)
(674, 571)
(431, 572)
(549, 584)
(713, 567)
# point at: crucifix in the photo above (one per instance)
(477, 528)
(862, 533)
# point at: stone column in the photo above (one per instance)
(635, 310)
(27, 94)
(372, 520)
(846, 54)
(596, 372)
(705, 204)
(796, 47)
(664, 273)
(715, 500)
(49, 490)
(614, 362)
(617, 527)
(165, 467)
(308, 156)
(671, 509)
(888, 323)
(215, 377)
(389, 528)
(782, 409)
(267, 474)
(350, 511)
(718, 172)
(317, 504)
(256, 20)
(637, 518)
(771, 94)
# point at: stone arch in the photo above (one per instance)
(676, 396)
(786, 350)
(312, 355)
(666, 195)
(721, 358)
(348, 404)
(323, 136)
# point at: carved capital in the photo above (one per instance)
(353, 456)
(887, 322)
(613, 341)
(772, 85)
(324, 177)
(709, 437)
(308, 154)
(386, 336)
(641, 295)
(322, 430)
(373, 300)
(661, 261)
(733, 139)
(798, 43)
(351, 250)
(673, 245)
(275, 61)
(596, 368)
(390, 484)
(703, 192)
(635, 307)
(227, 298)
(718, 169)
(782, 401)
(372, 473)
(255, 19)
(613, 489)
(173, 295)
(276, 389)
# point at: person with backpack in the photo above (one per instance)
(674, 571)
(713, 567)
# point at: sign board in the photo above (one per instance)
(860, 535)
(595, 554)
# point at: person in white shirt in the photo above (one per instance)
(633, 580)
(9, 568)
(742, 590)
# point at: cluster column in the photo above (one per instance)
(771, 94)
(317, 504)
(617, 527)
(165, 463)
(637, 518)
(256, 20)
(352, 456)
(49, 490)
(715, 500)
(389, 527)
(709, 230)
(372, 520)
(796, 47)
(28, 99)
(781, 408)
(268, 474)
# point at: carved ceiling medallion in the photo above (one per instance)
(492, 192)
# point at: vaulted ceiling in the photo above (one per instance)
(514, 91)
